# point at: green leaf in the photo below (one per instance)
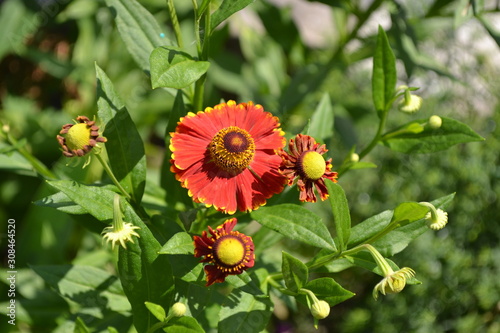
(172, 68)
(180, 243)
(329, 290)
(297, 223)
(408, 212)
(80, 326)
(146, 276)
(244, 313)
(183, 325)
(124, 146)
(62, 202)
(398, 239)
(226, 9)
(85, 285)
(367, 229)
(295, 272)
(156, 310)
(96, 201)
(167, 178)
(384, 73)
(322, 120)
(16, 22)
(13, 161)
(138, 28)
(430, 140)
(340, 210)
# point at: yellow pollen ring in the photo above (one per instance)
(232, 149)
(230, 251)
(312, 165)
(78, 136)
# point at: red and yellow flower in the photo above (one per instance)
(304, 162)
(226, 251)
(227, 156)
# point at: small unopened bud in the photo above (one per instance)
(178, 309)
(435, 122)
(354, 158)
(320, 309)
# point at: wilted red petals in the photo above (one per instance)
(226, 156)
(305, 163)
(227, 252)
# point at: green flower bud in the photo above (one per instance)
(435, 122)
(320, 309)
(354, 158)
(178, 309)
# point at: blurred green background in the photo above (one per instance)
(285, 55)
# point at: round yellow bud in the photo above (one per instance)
(178, 309)
(435, 122)
(354, 158)
(320, 309)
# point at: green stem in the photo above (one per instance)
(377, 136)
(271, 280)
(39, 167)
(158, 326)
(175, 23)
(112, 176)
(202, 46)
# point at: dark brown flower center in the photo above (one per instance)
(232, 149)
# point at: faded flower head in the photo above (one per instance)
(394, 282)
(226, 251)
(80, 138)
(409, 103)
(305, 162)
(437, 220)
(119, 231)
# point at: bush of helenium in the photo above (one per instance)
(160, 283)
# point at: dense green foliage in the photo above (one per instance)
(125, 62)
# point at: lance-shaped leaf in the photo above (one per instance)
(340, 210)
(244, 313)
(329, 290)
(384, 73)
(295, 272)
(146, 276)
(124, 146)
(430, 140)
(172, 68)
(297, 223)
(85, 285)
(138, 28)
(322, 120)
(180, 243)
(226, 9)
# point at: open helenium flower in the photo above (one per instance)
(79, 138)
(304, 161)
(228, 252)
(226, 156)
